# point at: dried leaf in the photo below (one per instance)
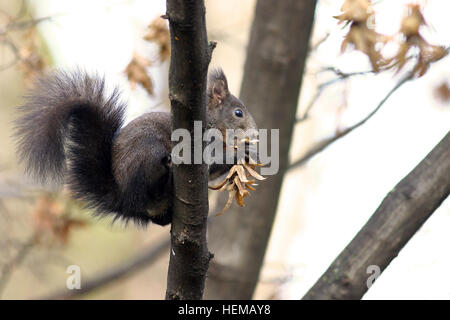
(50, 220)
(31, 62)
(136, 72)
(237, 184)
(367, 40)
(411, 24)
(249, 185)
(239, 199)
(159, 33)
(253, 172)
(220, 185)
(241, 173)
(355, 10)
(442, 92)
(227, 205)
(410, 30)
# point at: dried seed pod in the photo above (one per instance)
(237, 183)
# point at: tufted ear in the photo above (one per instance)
(217, 86)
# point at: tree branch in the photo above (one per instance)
(319, 147)
(118, 273)
(190, 57)
(143, 259)
(402, 212)
(341, 76)
(10, 266)
(21, 25)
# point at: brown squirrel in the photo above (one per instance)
(70, 132)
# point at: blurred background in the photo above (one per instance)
(334, 193)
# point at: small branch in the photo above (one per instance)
(21, 25)
(320, 89)
(319, 147)
(8, 65)
(341, 76)
(15, 25)
(315, 46)
(20, 13)
(402, 212)
(144, 259)
(12, 265)
(15, 51)
(118, 273)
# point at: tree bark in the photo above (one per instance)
(190, 57)
(273, 73)
(396, 220)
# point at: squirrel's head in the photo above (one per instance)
(224, 110)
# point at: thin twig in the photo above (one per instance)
(20, 25)
(144, 259)
(15, 51)
(319, 147)
(12, 265)
(120, 272)
(315, 46)
(14, 26)
(341, 76)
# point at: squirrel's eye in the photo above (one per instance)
(238, 113)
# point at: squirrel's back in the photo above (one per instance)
(142, 166)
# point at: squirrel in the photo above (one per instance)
(70, 131)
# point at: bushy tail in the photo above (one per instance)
(66, 132)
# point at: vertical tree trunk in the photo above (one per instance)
(273, 73)
(190, 57)
(396, 220)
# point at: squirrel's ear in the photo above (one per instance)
(218, 85)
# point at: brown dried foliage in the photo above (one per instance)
(442, 92)
(52, 222)
(237, 183)
(136, 72)
(30, 61)
(159, 32)
(359, 14)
